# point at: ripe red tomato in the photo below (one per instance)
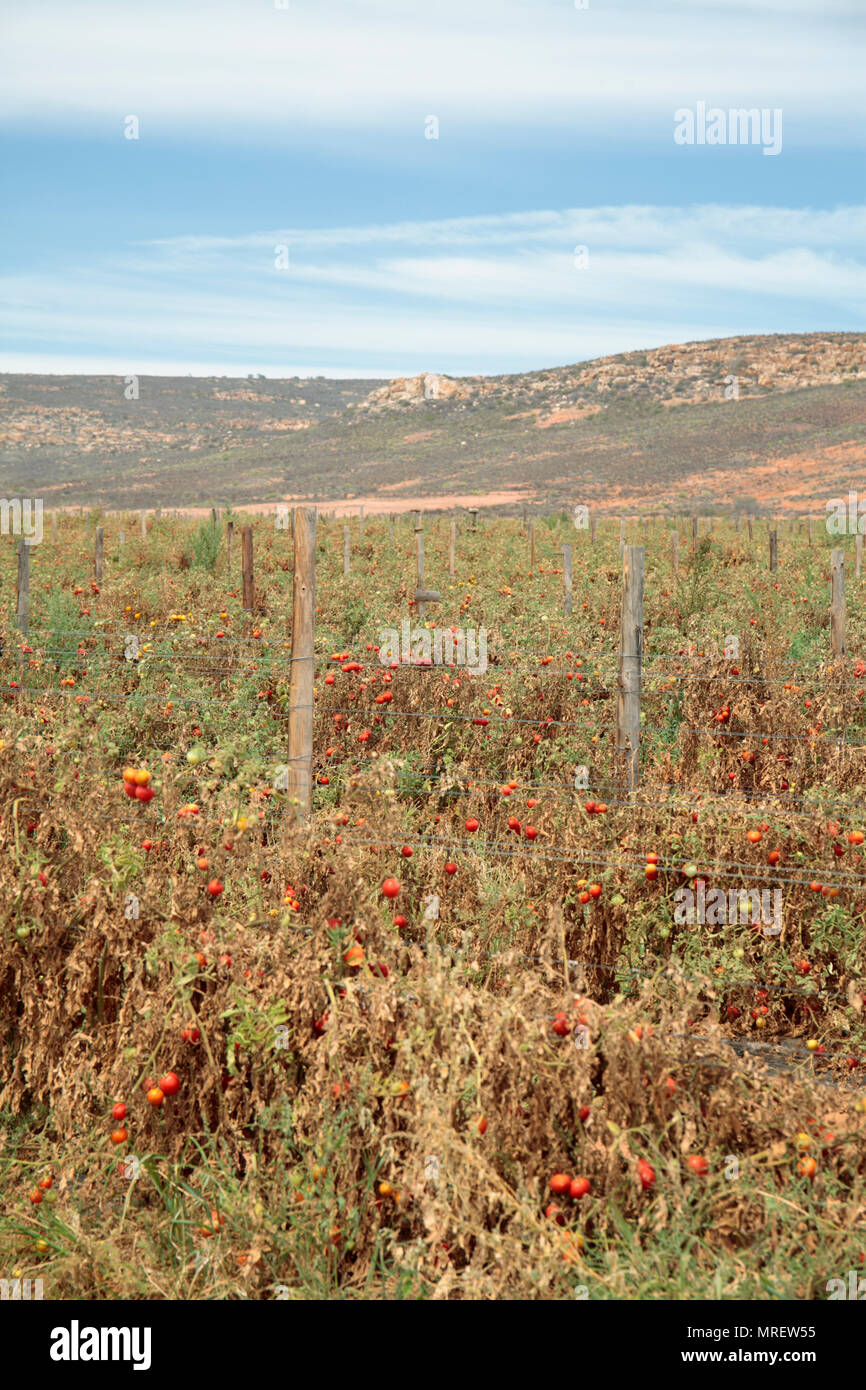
(215, 887)
(552, 1211)
(391, 887)
(472, 825)
(559, 1184)
(400, 920)
(698, 1164)
(646, 1173)
(579, 1188)
(406, 852)
(155, 1097)
(144, 793)
(119, 1136)
(530, 832)
(169, 1084)
(450, 868)
(514, 824)
(119, 1111)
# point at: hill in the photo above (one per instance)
(748, 423)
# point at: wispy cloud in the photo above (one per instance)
(458, 295)
(287, 75)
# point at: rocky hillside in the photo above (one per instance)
(755, 422)
(684, 374)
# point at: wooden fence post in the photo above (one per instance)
(230, 536)
(810, 533)
(452, 549)
(347, 551)
(300, 778)
(749, 525)
(248, 584)
(774, 551)
(695, 524)
(97, 554)
(473, 512)
(122, 538)
(213, 516)
(593, 528)
(143, 519)
(566, 578)
(23, 587)
(837, 603)
(630, 652)
(419, 548)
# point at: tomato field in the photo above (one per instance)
(491, 1021)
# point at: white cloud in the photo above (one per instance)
(462, 295)
(236, 68)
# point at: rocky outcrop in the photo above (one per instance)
(682, 374)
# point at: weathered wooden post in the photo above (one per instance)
(347, 551)
(630, 652)
(143, 519)
(593, 525)
(248, 584)
(23, 606)
(419, 549)
(567, 578)
(361, 521)
(213, 516)
(622, 530)
(97, 554)
(749, 524)
(300, 762)
(774, 551)
(122, 538)
(230, 536)
(695, 524)
(810, 533)
(473, 512)
(452, 549)
(837, 604)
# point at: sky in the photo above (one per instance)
(375, 188)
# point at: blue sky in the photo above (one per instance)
(304, 127)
